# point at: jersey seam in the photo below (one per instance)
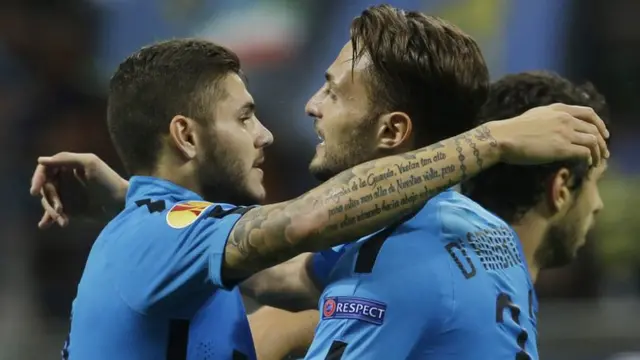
(443, 229)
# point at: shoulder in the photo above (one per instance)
(458, 213)
(158, 252)
(166, 217)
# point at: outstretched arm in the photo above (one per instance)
(377, 193)
(354, 203)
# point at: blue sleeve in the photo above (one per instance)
(386, 314)
(323, 262)
(171, 268)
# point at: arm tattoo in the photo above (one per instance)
(354, 203)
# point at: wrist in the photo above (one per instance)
(499, 142)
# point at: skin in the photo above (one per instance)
(231, 142)
(268, 235)
(551, 233)
(343, 120)
(555, 229)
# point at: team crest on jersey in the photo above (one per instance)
(348, 307)
(184, 214)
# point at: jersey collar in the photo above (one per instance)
(148, 187)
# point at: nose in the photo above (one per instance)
(312, 108)
(264, 137)
(599, 203)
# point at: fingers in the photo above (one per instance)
(589, 129)
(52, 197)
(51, 216)
(65, 159)
(44, 183)
(38, 179)
(581, 152)
(585, 114)
(46, 221)
(587, 121)
(591, 148)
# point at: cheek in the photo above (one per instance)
(341, 125)
(236, 146)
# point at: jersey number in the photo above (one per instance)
(503, 302)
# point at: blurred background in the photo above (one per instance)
(56, 57)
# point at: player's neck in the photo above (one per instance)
(531, 230)
(178, 175)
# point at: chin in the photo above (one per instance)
(256, 194)
(321, 173)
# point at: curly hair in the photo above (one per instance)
(509, 191)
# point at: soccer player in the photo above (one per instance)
(550, 207)
(166, 278)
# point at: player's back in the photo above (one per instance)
(145, 292)
(449, 283)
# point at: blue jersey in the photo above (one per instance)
(449, 283)
(152, 288)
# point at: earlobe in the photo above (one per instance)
(394, 131)
(182, 132)
(559, 194)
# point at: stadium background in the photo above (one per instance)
(56, 56)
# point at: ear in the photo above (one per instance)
(558, 193)
(394, 130)
(182, 134)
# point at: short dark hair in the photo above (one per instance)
(155, 84)
(510, 191)
(424, 66)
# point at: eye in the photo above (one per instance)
(245, 119)
(331, 94)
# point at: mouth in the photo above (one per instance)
(259, 162)
(320, 136)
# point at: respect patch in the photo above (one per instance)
(348, 307)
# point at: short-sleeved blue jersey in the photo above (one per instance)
(450, 283)
(152, 289)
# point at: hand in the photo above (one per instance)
(84, 180)
(551, 133)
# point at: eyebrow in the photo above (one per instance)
(330, 78)
(247, 108)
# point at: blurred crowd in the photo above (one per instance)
(56, 56)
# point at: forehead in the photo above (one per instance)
(233, 93)
(343, 72)
(233, 88)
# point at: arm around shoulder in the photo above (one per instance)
(356, 202)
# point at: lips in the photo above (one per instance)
(258, 163)
(320, 136)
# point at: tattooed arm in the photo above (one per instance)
(354, 203)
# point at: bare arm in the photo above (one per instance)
(286, 286)
(354, 203)
(279, 333)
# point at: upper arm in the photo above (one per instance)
(173, 258)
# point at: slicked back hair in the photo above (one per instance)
(423, 66)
